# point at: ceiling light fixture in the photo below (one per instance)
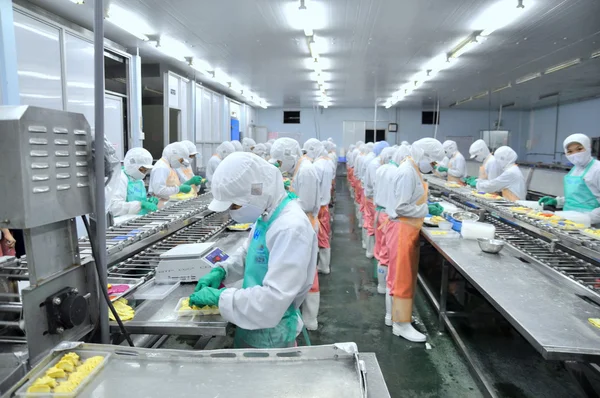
(200, 66)
(78, 2)
(508, 105)
(549, 95)
(562, 66)
(501, 14)
(463, 101)
(129, 22)
(171, 47)
(497, 89)
(305, 19)
(481, 94)
(595, 54)
(527, 78)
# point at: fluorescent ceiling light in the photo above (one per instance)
(497, 89)
(173, 48)
(463, 101)
(564, 65)
(314, 15)
(481, 94)
(595, 54)
(462, 48)
(499, 15)
(527, 78)
(129, 22)
(314, 48)
(78, 1)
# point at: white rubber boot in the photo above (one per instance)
(310, 310)
(370, 246)
(381, 275)
(324, 261)
(406, 330)
(364, 238)
(388, 308)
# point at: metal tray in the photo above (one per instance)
(133, 283)
(155, 291)
(192, 312)
(317, 371)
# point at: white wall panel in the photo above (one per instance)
(79, 72)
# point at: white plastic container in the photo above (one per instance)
(575, 216)
(476, 230)
(532, 204)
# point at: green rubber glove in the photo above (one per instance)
(442, 169)
(287, 183)
(195, 180)
(184, 188)
(149, 206)
(435, 209)
(472, 182)
(212, 279)
(548, 201)
(206, 296)
(154, 200)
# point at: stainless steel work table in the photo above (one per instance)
(158, 317)
(548, 310)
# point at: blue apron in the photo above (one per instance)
(578, 196)
(256, 266)
(136, 192)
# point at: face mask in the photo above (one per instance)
(137, 174)
(580, 159)
(186, 163)
(246, 214)
(425, 166)
(480, 158)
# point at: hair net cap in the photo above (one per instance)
(378, 147)
(401, 154)
(136, 158)
(505, 155)
(432, 149)
(285, 148)
(370, 146)
(313, 148)
(190, 147)
(405, 143)
(248, 144)
(450, 147)
(259, 149)
(387, 154)
(176, 151)
(237, 145)
(225, 149)
(580, 138)
(479, 147)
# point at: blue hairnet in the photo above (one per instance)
(379, 147)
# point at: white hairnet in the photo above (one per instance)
(191, 147)
(450, 148)
(401, 154)
(328, 145)
(370, 146)
(237, 145)
(431, 149)
(580, 138)
(248, 144)
(405, 143)
(364, 149)
(378, 147)
(225, 149)
(245, 179)
(359, 143)
(268, 145)
(479, 150)
(387, 154)
(505, 156)
(174, 152)
(314, 148)
(136, 158)
(287, 151)
(330, 139)
(259, 150)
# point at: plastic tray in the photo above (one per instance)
(193, 312)
(583, 232)
(439, 234)
(83, 355)
(155, 291)
(232, 228)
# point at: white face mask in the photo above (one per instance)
(580, 159)
(246, 214)
(480, 157)
(186, 163)
(137, 174)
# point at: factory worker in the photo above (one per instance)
(164, 180)
(457, 166)
(443, 165)
(130, 195)
(277, 262)
(186, 174)
(324, 169)
(406, 212)
(582, 183)
(223, 150)
(238, 146)
(511, 182)
(369, 207)
(268, 147)
(248, 144)
(481, 153)
(355, 153)
(363, 205)
(358, 189)
(259, 150)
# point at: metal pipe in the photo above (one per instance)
(99, 162)
(11, 307)
(437, 121)
(375, 123)
(11, 324)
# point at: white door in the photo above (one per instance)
(113, 123)
(353, 131)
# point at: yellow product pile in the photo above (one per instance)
(240, 227)
(453, 185)
(66, 375)
(436, 219)
(207, 309)
(486, 195)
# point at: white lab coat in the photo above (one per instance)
(158, 181)
(370, 175)
(408, 189)
(306, 185)
(358, 161)
(211, 166)
(459, 166)
(334, 160)
(367, 159)
(383, 192)
(119, 206)
(511, 178)
(292, 246)
(592, 180)
(492, 169)
(443, 163)
(181, 173)
(325, 175)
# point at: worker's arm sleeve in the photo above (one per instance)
(261, 307)
(491, 169)
(158, 183)
(308, 190)
(459, 167)
(234, 265)
(119, 206)
(405, 185)
(560, 202)
(497, 184)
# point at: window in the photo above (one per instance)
(291, 117)
(370, 136)
(430, 117)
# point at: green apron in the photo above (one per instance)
(256, 266)
(578, 196)
(136, 192)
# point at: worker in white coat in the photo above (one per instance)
(238, 146)
(268, 147)
(443, 165)
(248, 144)
(369, 207)
(164, 180)
(365, 216)
(406, 214)
(582, 183)
(277, 261)
(457, 166)
(481, 153)
(324, 169)
(511, 183)
(259, 150)
(223, 150)
(186, 174)
(350, 168)
(130, 196)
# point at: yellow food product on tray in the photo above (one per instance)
(486, 195)
(66, 386)
(185, 306)
(71, 357)
(241, 227)
(540, 215)
(518, 209)
(65, 365)
(438, 233)
(182, 196)
(593, 231)
(39, 388)
(566, 224)
(45, 381)
(437, 219)
(453, 185)
(56, 373)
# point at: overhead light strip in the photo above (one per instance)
(527, 78)
(481, 95)
(498, 89)
(595, 54)
(562, 66)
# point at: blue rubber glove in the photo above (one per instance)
(548, 201)
(442, 169)
(435, 209)
(149, 206)
(154, 200)
(212, 279)
(184, 188)
(206, 296)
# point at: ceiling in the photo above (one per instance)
(372, 47)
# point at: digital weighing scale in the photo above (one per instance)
(188, 263)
